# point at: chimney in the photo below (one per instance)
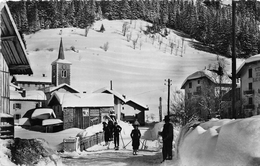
(23, 93)
(43, 75)
(111, 85)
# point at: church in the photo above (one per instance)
(28, 87)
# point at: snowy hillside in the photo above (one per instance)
(139, 73)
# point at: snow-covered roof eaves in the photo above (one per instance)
(61, 61)
(208, 74)
(84, 99)
(115, 93)
(54, 88)
(249, 60)
(32, 95)
(32, 79)
(145, 107)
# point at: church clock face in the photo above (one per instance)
(63, 67)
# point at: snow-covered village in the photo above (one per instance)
(130, 82)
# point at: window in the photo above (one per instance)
(189, 95)
(250, 86)
(17, 116)
(198, 88)
(250, 73)
(190, 85)
(17, 106)
(63, 73)
(198, 81)
(250, 100)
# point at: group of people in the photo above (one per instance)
(112, 130)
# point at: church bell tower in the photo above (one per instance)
(61, 68)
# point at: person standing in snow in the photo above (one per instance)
(106, 133)
(112, 115)
(110, 127)
(135, 135)
(167, 136)
(116, 130)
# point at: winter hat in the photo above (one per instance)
(166, 118)
(136, 123)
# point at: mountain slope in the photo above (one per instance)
(139, 73)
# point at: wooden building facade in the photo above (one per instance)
(13, 59)
(81, 110)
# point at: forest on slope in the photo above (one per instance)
(209, 22)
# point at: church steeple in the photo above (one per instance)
(61, 52)
(61, 68)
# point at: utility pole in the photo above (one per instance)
(160, 109)
(168, 105)
(234, 57)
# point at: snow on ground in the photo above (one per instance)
(222, 142)
(148, 149)
(4, 159)
(138, 73)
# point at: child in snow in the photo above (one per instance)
(106, 133)
(135, 135)
(116, 130)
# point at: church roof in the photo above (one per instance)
(61, 52)
(61, 56)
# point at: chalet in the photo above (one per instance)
(22, 101)
(123, 105)
(138, 110)
(205, 83)
(31, 82)
(249, 74)
(13, 60)
(81, 110)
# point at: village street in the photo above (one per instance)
(115, 158)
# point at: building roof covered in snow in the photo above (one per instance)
(252, 59)
(61, 86)
(131, 101)
(82, 99)
(32, 95)
(214, 77)
(123, 98)
(12, 46)
(115, 93)
(31, 79)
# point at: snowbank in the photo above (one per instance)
(5, 154)
(126, 130)
(221, 142)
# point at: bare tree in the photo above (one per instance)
(125, 28)
(134, 42)
(87, 30)
(140, 43)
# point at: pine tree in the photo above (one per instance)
(125, 9)
(71, 13)
(135, 13)
(141, 9)
(164, 11)
(24, 20)
(33, 16)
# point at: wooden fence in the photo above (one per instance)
(90, 141)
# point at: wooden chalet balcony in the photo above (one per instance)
(197, 93)
(249, 106)
(249, 92)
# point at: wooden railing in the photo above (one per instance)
(90, 141)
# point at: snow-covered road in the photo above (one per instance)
(115, 158)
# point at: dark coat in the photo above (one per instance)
(106, 133)
(116, 130)
(167, 133)
(135, 135)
